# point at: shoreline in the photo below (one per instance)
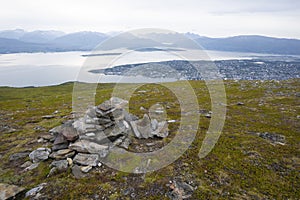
(113, 83)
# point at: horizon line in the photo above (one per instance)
(114, 32)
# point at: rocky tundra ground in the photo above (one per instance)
(47, 152)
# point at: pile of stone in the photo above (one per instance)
(274, 138)
(83, 142)
(180, 190)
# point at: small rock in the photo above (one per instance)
(118, 114)
(126, 124)
(273, 137)
(162, 130)
(48, 116)
(82, 127)
(17, 156)
(62, 154)
(105, 106)
(133, 195)
(70, 133)
(128, 191)
(86, 159)
(26, 164)
(86, 169)
(11, 130)
(60, 139)
(56, 130)
(85, 146)
(208, 115)
(60, 146)
(143, 109)
(9, 191)
(125, 143)
(76, 171)
(70, 161)
(240, 104)
(47, 137)
(39, 154)
(31, 167)
(78, 146)
(39, 128)
(40, 140)
(61, 165)
(149, 144)
(53, 171)
(142, 128)
(180, 190)
(34, 191)
(90, 134)
(91, 112)
(104, 121)
(154, 124)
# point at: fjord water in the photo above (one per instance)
(43, 69)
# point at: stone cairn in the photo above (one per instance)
(83, 142)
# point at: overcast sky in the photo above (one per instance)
(216, 18)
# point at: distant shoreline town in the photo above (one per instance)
(254, 69)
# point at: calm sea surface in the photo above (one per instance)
(42, 69)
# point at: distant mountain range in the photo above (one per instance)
(16, 41)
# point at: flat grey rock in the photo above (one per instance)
(56, 130)
(34, 191)
(77, 173)
(9, 191)
(17, 156)
(62, 154)
(86, 159)
(78, 146)
(86, 169)
(39, 154)
(32, 166)
(60, 139)
(57, 147)
(70, 133)
(26, 164)
(144, 127)
(60, 164)
(162, 130)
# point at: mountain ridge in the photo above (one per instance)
(17, 41)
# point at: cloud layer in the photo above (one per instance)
(211, 18)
